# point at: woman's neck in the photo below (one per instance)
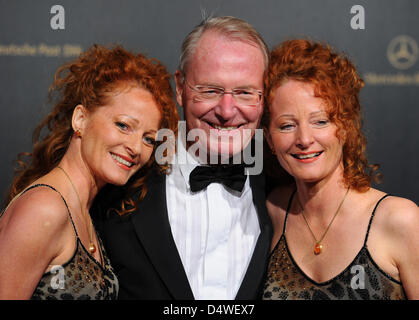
(321, 199)
(82, 179)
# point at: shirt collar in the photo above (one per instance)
(187, 162)
(187, 166)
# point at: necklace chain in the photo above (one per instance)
(92, 247)
(318, 246)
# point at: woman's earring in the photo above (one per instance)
(78, 133)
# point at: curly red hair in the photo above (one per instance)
(337, 82)
(90, 80)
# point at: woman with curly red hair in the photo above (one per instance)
(102, 130)
(326, 244)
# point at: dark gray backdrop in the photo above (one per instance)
(31, 50)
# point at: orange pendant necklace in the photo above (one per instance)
(318, 247)
(87, 219)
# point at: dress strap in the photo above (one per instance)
(372, 216)
(288, 209)
(65, 202)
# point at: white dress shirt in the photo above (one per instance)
(215, 231)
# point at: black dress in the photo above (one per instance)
(80, 278)
(363, 279)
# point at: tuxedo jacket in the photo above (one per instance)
(143, 252)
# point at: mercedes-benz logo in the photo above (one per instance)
(402, 52)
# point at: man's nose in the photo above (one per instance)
(226, 107)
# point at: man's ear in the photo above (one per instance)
(179, 81)
(79, 119)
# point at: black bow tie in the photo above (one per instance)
(231, 176)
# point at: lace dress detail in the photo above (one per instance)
(363, 279)
(80, 278)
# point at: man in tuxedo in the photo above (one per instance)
(202, 231)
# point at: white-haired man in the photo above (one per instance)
(203, 232)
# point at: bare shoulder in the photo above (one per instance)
(32, 235)
(39, 210)
(398, 219)
(399, 212)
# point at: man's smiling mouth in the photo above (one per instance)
(221, 127)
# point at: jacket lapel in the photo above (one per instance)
(253, 281)
(152, 226)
